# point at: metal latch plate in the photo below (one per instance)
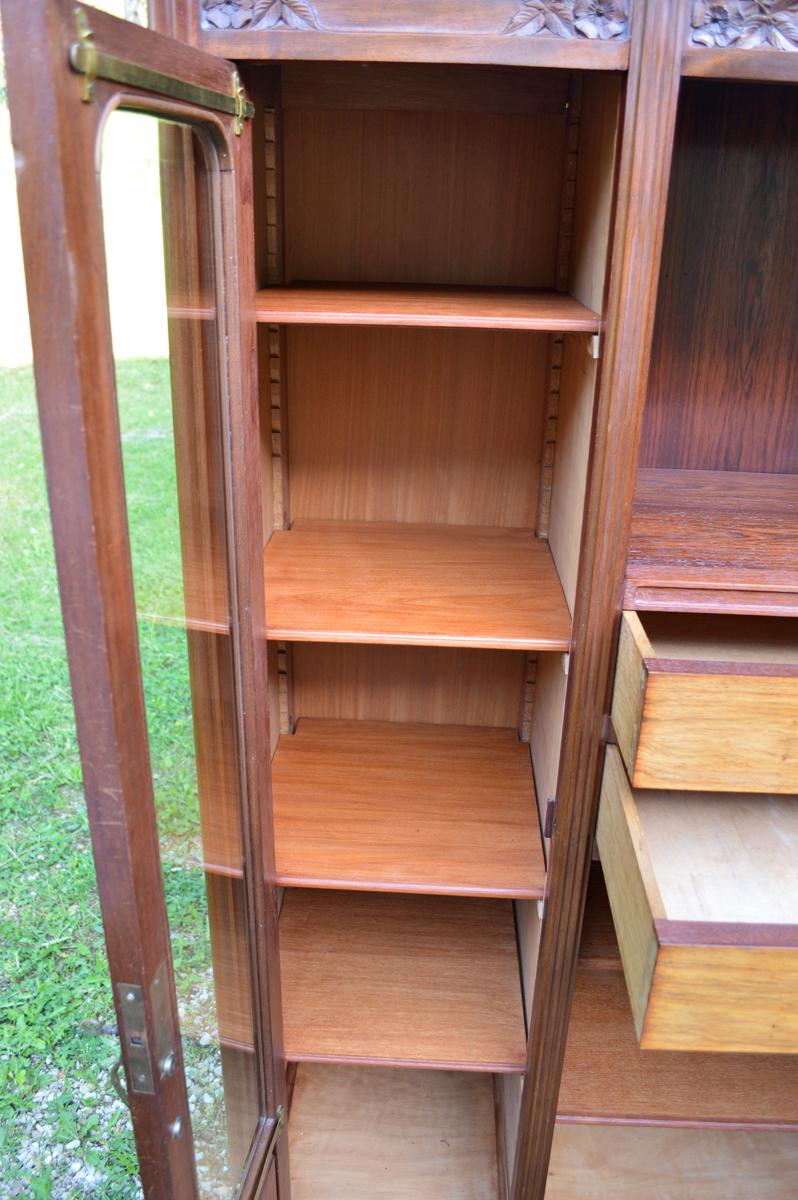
(133, 1031)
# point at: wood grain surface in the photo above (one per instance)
(429, 684)
(373, 1133)
(439, 425)
(465, 308)
(704, 895)
(377, 806)
(730, 62)
(722, 388)
(650, 96)
(414, 980)
(416, 31)
(708, 704)
(592, 1162)
(391, 196)
(572, 456)
(415, 585)
(607, 1077)
(407, 87)
(725, 530)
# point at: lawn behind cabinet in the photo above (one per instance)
(63, 1131)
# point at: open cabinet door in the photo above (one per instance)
(72, 72)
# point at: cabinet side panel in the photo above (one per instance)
(600, 116)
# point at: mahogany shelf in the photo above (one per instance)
(371, 1133)
(607, 1078)
(444, 585)
(367, 977)
(382, 806)
(449, 307)
(714, 541)
(401, 980)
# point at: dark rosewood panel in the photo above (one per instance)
(723, 389)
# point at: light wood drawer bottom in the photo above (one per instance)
(704, 896)
(596, 1162)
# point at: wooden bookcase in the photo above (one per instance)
(509, 909)
(433, 251)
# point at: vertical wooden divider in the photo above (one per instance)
(650, 112)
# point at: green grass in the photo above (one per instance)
(55, 1097)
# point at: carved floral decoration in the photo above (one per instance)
(595, 19)
(259, 14)
(746, 24)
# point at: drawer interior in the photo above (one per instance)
(698, 637)
(704, 896)
(720, 858)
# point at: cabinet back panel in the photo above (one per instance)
(426, 425)
(422, 197)
(439, 686)
(425, 87)
(723, 390)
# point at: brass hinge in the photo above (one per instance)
(279, 1125)
(93, 64)
(608, 734)
(88, 54)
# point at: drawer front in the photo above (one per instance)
(701, 724)
(694, 983)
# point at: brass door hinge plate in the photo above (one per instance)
(90, 62)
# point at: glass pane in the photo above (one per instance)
(129, 10)
(163, 289)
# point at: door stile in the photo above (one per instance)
(657, 37)
(62, 234)
(250, 656)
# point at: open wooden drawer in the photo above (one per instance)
(704, 896)
(707, 703)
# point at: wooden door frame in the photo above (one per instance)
(56, 135)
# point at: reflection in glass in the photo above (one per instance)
(163, 306)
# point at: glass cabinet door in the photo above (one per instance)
(134, 152)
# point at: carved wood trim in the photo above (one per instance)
(595, 19)
(259, 14)
(745, 24)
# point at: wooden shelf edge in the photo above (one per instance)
(539, 310)
(391, 583)
(429, 46)
(420, 808)
(410, 1064)
(405, 1064)
(677, 1123)
(341, 884)
(730, 62)
(651, 597)
(290, 633)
